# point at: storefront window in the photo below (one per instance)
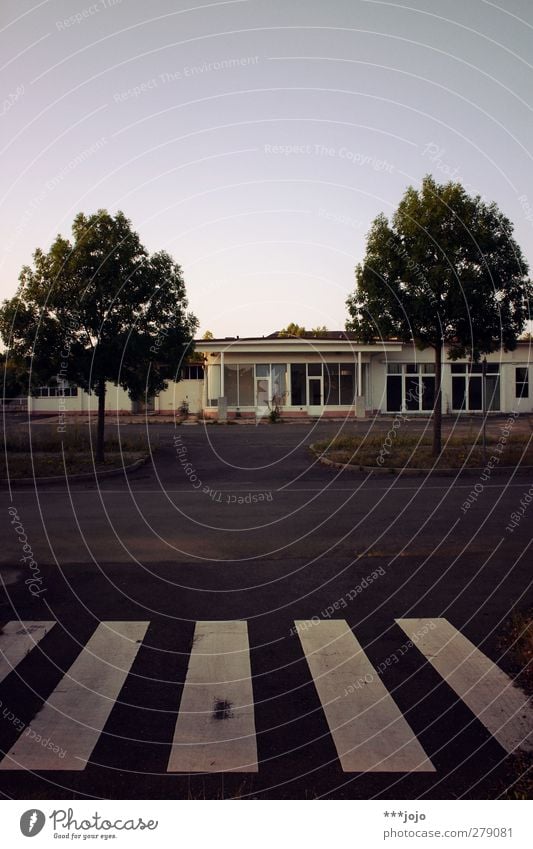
(298, 385)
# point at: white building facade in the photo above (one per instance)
(330, 375)
(334, 375)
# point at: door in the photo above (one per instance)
(315, 395)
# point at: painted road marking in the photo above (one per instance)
(368, 729)
(215, 729)
(489, 693)
(16, 640)
(73, 717)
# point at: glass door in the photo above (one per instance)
(315, 395)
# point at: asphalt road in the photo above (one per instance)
(239, 523)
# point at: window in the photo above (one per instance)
(239, 384)
(60, 391)
(298, 385)
(347, 383)
(231, 384)
(410, 386)
(246, 385)
(279, 383)
(522, 382)
(314, 369)
(467, 387)
(262, 370)
(192, 372)
(331, 384)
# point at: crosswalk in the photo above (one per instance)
(215, 726)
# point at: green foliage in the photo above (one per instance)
(445, 270)
(100, 308)
(292, 329)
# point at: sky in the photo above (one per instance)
(256, 140)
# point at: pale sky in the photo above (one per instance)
(255, 140)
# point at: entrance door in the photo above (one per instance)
(315, 395)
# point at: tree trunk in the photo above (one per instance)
(100, 391)
(437, 407)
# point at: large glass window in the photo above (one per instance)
(410, 386)
(347, 383)
(467, 387)
(279, 383)
(246, 385)
(239, 384)
(394, 393)
(231, 383)
(331, 384)
(522, 382)
(298, 385)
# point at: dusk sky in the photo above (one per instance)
(255, 140)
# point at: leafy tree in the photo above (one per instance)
(319, 331)
(100, 309)
(14, 379)
(208, 335)
(292, 329)
(445, 271)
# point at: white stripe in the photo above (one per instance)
(65, 731)
(215, 729)
(369, 731)
(489, 693)
(16, 640)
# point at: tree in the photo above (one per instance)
(292, 329)
(100, 309)
(14, 379)
(319, 331)
(208, 335)
(445, 271)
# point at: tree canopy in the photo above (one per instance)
(444, 271)
(98, 308)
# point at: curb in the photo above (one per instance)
(81, 476)
(470, 471)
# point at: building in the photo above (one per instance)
(326, 375)
(332, 374)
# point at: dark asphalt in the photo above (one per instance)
(269, 536)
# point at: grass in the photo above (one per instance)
(51, 465)
(401, 451)
(40, 451)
